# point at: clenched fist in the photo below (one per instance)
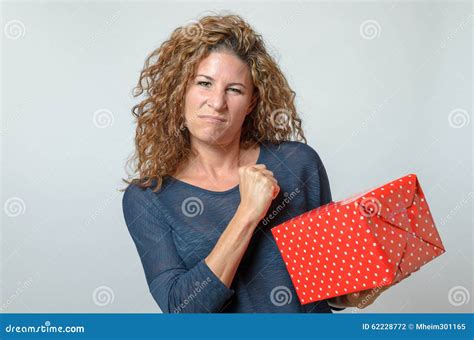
(258, 188)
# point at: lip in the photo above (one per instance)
(212, 119)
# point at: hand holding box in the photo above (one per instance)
(371, 240)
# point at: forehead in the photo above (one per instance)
(224, 66)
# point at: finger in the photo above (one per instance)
(269, 175)
(267, 172)
(367, 291)
(370, 293)
(378, 290)
(271, 178)
(276, 187)
(276, 191)
(353, 297)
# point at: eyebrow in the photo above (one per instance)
(210, 78)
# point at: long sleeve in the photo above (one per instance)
(317, 185)
(325, 189)
(175, 288)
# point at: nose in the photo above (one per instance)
(217, 100)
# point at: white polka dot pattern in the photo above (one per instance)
(373, 239)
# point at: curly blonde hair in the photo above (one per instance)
(162, 141)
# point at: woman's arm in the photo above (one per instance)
(175, 287)
(257, 190)
(225, 258)
(203, 288)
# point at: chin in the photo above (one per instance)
(211, 138)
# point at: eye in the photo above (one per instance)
(204, 83)
(235, 90)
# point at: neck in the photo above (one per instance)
(216, 160)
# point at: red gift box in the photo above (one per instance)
(370, 240)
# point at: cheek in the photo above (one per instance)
(193, 99)
(239, 109)
(192, 107)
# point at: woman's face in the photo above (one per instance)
(218, 99)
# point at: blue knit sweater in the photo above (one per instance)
(177, 227)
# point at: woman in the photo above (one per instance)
(217, 170)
